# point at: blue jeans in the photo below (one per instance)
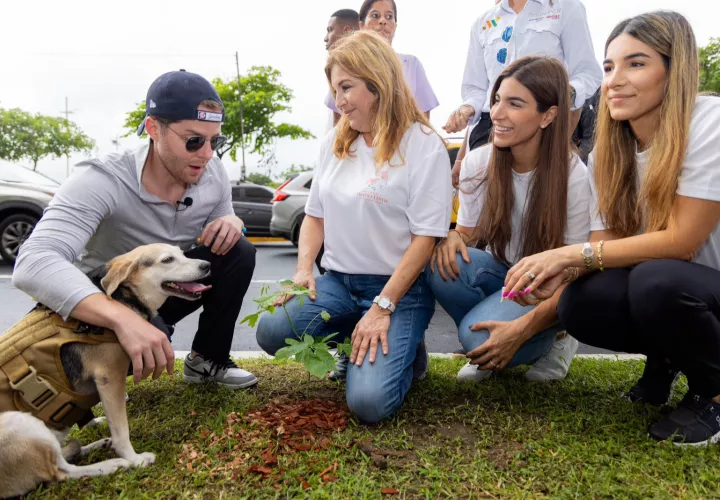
(374, 391)
(475, 296)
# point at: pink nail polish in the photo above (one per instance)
(504, 294)
(512, 294)
(527, 290)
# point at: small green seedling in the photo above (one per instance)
(312, 352)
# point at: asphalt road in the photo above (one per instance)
(275, 261)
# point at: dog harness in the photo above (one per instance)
(32, 377)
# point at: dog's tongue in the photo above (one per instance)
(193, 287)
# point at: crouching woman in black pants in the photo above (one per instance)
(650, 279)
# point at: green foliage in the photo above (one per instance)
(263, 96)
(33, 137)
(312, 352)
(294, 169)
(261, 179)
(710, 66)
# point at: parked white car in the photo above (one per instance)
(288, 208)
(24, 195)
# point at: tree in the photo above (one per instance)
(33, 137)
(710, 66)
(263, 96)
(261, 179)
(294, 169)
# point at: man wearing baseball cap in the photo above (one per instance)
(171, 190)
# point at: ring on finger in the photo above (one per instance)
(530, 275)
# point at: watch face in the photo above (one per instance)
(587, 251)
(384, 302)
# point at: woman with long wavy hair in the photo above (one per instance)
(524, 193)
(380, 196)
(651, 281)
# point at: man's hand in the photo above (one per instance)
(226, 231)
(458, 119)
(148, 348)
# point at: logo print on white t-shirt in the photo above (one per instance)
(376, 186)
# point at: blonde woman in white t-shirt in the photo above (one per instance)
(380, 196)
(652, 283)
(523, 194)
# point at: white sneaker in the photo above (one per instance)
(554, 365)
(199, 370)
(471, 373)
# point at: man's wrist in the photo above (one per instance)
(467, 110)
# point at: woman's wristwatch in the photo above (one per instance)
(384, 303)
(588, 255)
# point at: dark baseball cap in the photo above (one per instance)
(176, 96)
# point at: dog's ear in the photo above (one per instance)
(118, 272)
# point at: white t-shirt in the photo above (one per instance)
(473, 168)
(700, 175)
(371, 213)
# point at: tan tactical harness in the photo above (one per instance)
(32, 378)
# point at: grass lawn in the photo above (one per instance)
(503, 438)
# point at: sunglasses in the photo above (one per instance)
(195, 143)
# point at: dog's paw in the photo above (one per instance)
(142, 459)
(110, 466)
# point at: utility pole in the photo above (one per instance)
(116, 142)
(242, 125)
(67, 114)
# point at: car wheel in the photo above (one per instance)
(296, 232)
(14, 230)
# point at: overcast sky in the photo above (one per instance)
(103, 55)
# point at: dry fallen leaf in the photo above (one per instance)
(389, 491)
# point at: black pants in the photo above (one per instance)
(480, 135)
(230, 277)
(661, 308)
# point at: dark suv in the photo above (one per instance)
(251, 203)
(24, 194)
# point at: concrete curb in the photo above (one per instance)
(262, 355)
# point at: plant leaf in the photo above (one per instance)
(326, 339)
(251, 319)
(317, 365)
(293, 350)
(345, 348)
(325, 316)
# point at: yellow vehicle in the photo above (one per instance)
(453, 144)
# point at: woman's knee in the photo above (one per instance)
(591, 298)
(470, 339)
(371, 404)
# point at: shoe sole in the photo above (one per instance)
(680, 444)
(205, 380)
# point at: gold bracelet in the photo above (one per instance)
(572, 274)
(599, 255)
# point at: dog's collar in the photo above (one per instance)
(126, 296)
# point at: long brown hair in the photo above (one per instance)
(624, 206)
(368, 57)
(546, 213)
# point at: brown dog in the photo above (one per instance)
(30, 452)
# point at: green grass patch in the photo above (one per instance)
(504, 437)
